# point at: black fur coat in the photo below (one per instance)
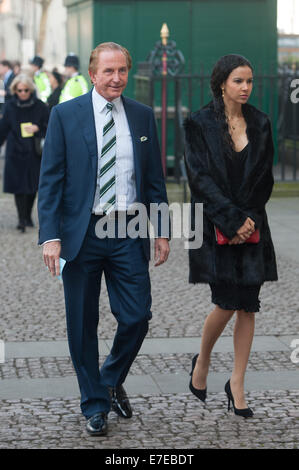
(244, 264)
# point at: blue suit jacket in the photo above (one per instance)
(69, 170)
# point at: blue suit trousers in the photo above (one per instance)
(124, 264)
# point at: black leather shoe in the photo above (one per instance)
(120, 402)
(97, 425)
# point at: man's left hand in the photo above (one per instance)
(161, 250)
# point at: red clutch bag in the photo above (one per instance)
(223, 240)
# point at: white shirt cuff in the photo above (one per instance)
(54, 240)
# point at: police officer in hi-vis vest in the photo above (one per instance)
(41, 79)
(76, 85)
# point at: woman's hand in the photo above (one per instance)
(32, 129)
(236, 240)
(246, 230)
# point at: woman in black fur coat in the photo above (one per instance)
(229, 158)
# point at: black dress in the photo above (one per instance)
(234, 296)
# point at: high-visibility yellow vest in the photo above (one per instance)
(43, 86)
(75, 86)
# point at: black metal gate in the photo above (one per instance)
(272, 93)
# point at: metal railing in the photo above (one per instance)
(187, 93)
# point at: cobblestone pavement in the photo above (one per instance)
(159, 422)
(33, 305)
(32, 309)
(47, 367)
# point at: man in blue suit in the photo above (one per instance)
(101, 154)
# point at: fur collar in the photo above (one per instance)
(202, 133)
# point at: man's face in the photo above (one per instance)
(111, 76)
(34, 68)
(69, 71)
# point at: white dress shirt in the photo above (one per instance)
(125, 186)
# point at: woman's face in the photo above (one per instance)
(23, 91)
(238, 85)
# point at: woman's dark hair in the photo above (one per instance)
(222, 69)
(57, 76)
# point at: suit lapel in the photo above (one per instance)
(87, 123)
(133, 123)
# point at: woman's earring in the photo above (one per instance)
(222, 93)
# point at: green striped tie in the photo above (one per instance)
(106, 175)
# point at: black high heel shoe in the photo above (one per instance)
(199, 393)
(245, 412)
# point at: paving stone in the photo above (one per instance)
(190, 426)
(33, 305)
(32, 309)
(146, 364)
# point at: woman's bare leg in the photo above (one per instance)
(243, 336)
(214, 324)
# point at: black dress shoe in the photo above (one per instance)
(97, 425)
(120, 402)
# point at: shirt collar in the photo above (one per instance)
(101, 102)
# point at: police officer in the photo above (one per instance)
(41, 79)
(76, 84)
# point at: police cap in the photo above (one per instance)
(71, 60)
(37, 60)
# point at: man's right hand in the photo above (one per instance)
(51, 254)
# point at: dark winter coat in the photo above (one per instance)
(53, 99)
(244, 264)
(22, 163)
